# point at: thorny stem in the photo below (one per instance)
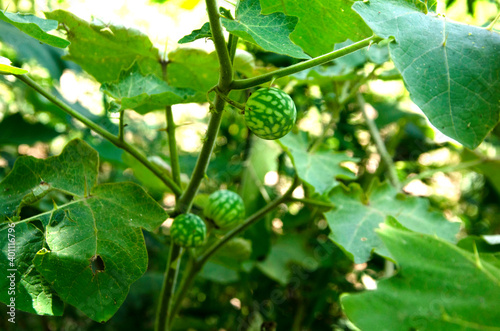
(166, 290)
(393, 176)
(102, 132)
(172, 145)
(492, 24)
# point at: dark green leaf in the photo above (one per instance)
(437, 287)
(356, 217)
(271, 32)
(104, 51)
(321, 24)
(36, 27)
(447, 67)
(204, 32)
(94, 247)
(32, 292)
(15, 130)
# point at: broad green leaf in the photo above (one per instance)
(448, 68)
(32, 292)
(94, 247)
(438, 286)
(104, 51)
(194, 69)
(357, 215)
(14, 129)
(6, 69)
(319, 169)
(271, 32)
(30, 176)
(36, 27)
(321, 24)
(203, 32)
(145, 93)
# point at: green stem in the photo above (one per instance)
(379, 143)
(254, 81)
(172, 144)
(226, 75)
(103, 133)
(450, 168)
(312, 202)
(198, 264)
(492, 24)
(121, 125)
(229, 101)
(166, 291)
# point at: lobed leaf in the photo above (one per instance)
(357, 215)
(271, 32)
(446, 66)
(438, 286)
(104, 51)
(93, 246)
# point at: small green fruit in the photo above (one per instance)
(270, 113)
(225, 208)
(188, 230)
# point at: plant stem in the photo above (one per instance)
(121, 125)
(312, 202)
(166, 291)
(172, 145)
(492, 24)
(102, 132)
(254, 81)
(229, 101)
(226, 76)
(198, 264)
(450, 168)
(393, 176)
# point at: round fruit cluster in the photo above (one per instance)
(225, 209)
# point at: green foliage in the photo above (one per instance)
(357, 181)
(451, 289)
(35, 27)
(357, 215)
(271, 32)
(188, 230)
(445, 65)
(225, 208)
(270, 113)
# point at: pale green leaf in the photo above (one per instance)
(357, 215)
(321, 24)
(438, 286)
(271, 32)
(448, 68)
(319, 169)
(6, 69)
(35, 27)
(104, 51)
(145, 93)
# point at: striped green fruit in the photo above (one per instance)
(270, 113)
(225, 208)
(188, 230)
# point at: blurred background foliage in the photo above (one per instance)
(304, 270)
